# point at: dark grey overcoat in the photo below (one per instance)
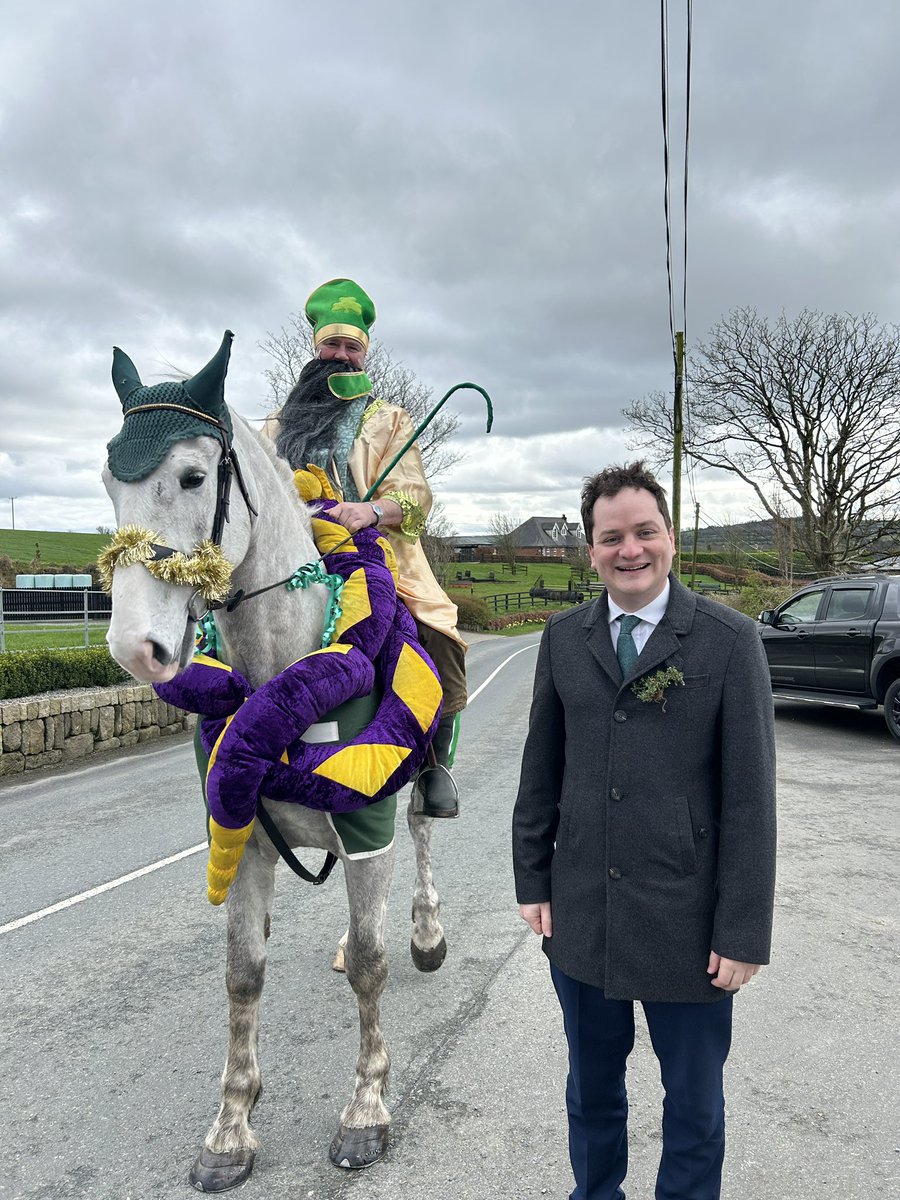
(651, 831)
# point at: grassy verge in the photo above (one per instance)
(515, 630)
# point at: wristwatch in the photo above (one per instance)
(379, 513)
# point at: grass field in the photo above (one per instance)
(75, 549)
(554, 574)
(60, 636)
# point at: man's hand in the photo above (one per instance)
(730, 975)
(538, 917)
(353, 516)
(361, 515)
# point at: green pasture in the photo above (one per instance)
(555, 575)
(70, 549)
(62, 636)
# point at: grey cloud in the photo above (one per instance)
(493, 175)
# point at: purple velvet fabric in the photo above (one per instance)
(266, 723)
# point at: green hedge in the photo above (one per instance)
(474, 614)
(30, 672)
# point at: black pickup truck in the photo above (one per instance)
(838, 642)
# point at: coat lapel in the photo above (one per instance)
(596, 626)
(662, 644)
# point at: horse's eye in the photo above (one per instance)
(192, 480)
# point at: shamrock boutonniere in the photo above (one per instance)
(652, 689)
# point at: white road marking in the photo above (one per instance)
(104, 887)
(166, 862)
(497, 670)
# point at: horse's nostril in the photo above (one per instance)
(162, 656)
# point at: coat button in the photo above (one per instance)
(702, 832)
(619, 716)
(615, 873)
(615, 794)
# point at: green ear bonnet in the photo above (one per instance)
(149, 432)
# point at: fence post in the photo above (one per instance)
(87, 628)
(2, 626)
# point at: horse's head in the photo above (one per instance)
(168, 475)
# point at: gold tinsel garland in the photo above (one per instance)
(206, 569)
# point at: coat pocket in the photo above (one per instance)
(695, 681)
(685, 829)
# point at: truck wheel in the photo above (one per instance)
(892, 708)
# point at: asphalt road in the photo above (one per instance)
(114, 1011)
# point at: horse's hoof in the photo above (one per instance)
(354, 1149)
(218, 1172)
(428, 960)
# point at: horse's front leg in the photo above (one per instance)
(428, 946)
(230, 1147)
(365, 1123)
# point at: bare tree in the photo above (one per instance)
(504, 529)
(733, 553)
(578, 559)
(291, 349)
(808, 404)
(436, 540)
(783, 535)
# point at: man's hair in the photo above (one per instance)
(612, 480)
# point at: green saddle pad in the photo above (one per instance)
(367, 831)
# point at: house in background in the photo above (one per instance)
(473, 547)
(549, 537)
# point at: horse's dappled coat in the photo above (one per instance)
(253, 738)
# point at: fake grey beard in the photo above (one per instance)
(311, 417)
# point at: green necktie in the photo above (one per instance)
(626, 650)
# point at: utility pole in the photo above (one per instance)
(12, 505)
(696, 531)
(677, 429)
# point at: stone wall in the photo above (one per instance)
(59, 727)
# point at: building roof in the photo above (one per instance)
(540, 532)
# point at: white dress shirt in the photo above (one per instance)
(651, 615)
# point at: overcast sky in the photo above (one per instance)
(491, 174)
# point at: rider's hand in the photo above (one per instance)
(354, 516)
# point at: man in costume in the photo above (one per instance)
(330, 419)
(644, 837)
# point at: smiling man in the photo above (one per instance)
(644, 837)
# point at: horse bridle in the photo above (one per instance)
(230, 470)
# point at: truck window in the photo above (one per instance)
(801, 609)
(848, 604)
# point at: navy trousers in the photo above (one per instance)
(691, 1042)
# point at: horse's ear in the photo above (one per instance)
(207, 387)
(124, 374)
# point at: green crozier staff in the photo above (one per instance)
(424, 425)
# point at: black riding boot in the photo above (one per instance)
(435, 793)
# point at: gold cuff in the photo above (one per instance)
(413, 524)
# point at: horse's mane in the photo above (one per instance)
(282, 468)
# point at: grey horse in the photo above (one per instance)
(267, 535)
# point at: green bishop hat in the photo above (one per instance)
(340, 308)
